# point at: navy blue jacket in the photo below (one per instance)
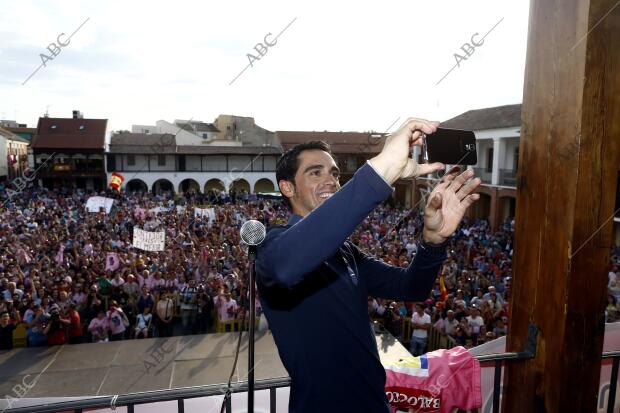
(318, 311)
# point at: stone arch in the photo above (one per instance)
(162, 185)
(214, 184)
(264, 185)
(189, 184)
(136, 185)
(240, 185)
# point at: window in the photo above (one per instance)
(516, 159)
(147, 131)
(489, 160)
(161, 160)
(351, 163)
(205, 136)
(131, 160)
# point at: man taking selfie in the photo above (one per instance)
(313, 283)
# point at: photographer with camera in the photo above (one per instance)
(393, 319)
(205, 306)
(56, 328)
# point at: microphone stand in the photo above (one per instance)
(251, 321)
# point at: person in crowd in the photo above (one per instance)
(449, 324)
(205, 308)
(7, 326)
(118, 322)
(189, 307)
(143, 323)
(420, 324)
(35, 320)
(99, 328)
(56, 328)
(226, 306)
(165, 313)
(394, 319)
(75, 330)
(145, 299)
(476, 322)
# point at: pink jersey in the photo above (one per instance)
(435, 382)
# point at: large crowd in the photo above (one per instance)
(55, 278)
(471, 306)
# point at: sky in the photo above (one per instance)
(337, 66)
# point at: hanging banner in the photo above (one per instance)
(149, 241)
(94, 203)
(205, 212)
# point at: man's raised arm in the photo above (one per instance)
(288, 254)
(443, 212)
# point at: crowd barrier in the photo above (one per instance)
(19, 336)
(437, 340)
(233, 325)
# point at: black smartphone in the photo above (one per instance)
(451, 147)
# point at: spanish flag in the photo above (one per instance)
(442, 288)
(116, 180)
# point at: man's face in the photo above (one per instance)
(315, 181)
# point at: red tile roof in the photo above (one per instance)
(70, 133)
(497, 117)
(340, 142)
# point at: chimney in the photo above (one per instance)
(77, 114)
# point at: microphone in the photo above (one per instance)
(253, 232)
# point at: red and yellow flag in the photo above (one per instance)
(442, 288)
(116, 180)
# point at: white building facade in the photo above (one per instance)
(13, 155)
(191, 155)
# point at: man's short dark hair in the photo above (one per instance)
(288, 164)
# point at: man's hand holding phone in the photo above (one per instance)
(394, 162)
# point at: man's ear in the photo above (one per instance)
(287, 188)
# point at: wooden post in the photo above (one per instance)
(570, 150)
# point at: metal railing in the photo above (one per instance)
(613, 380)
(508, 177)
(181, 394)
